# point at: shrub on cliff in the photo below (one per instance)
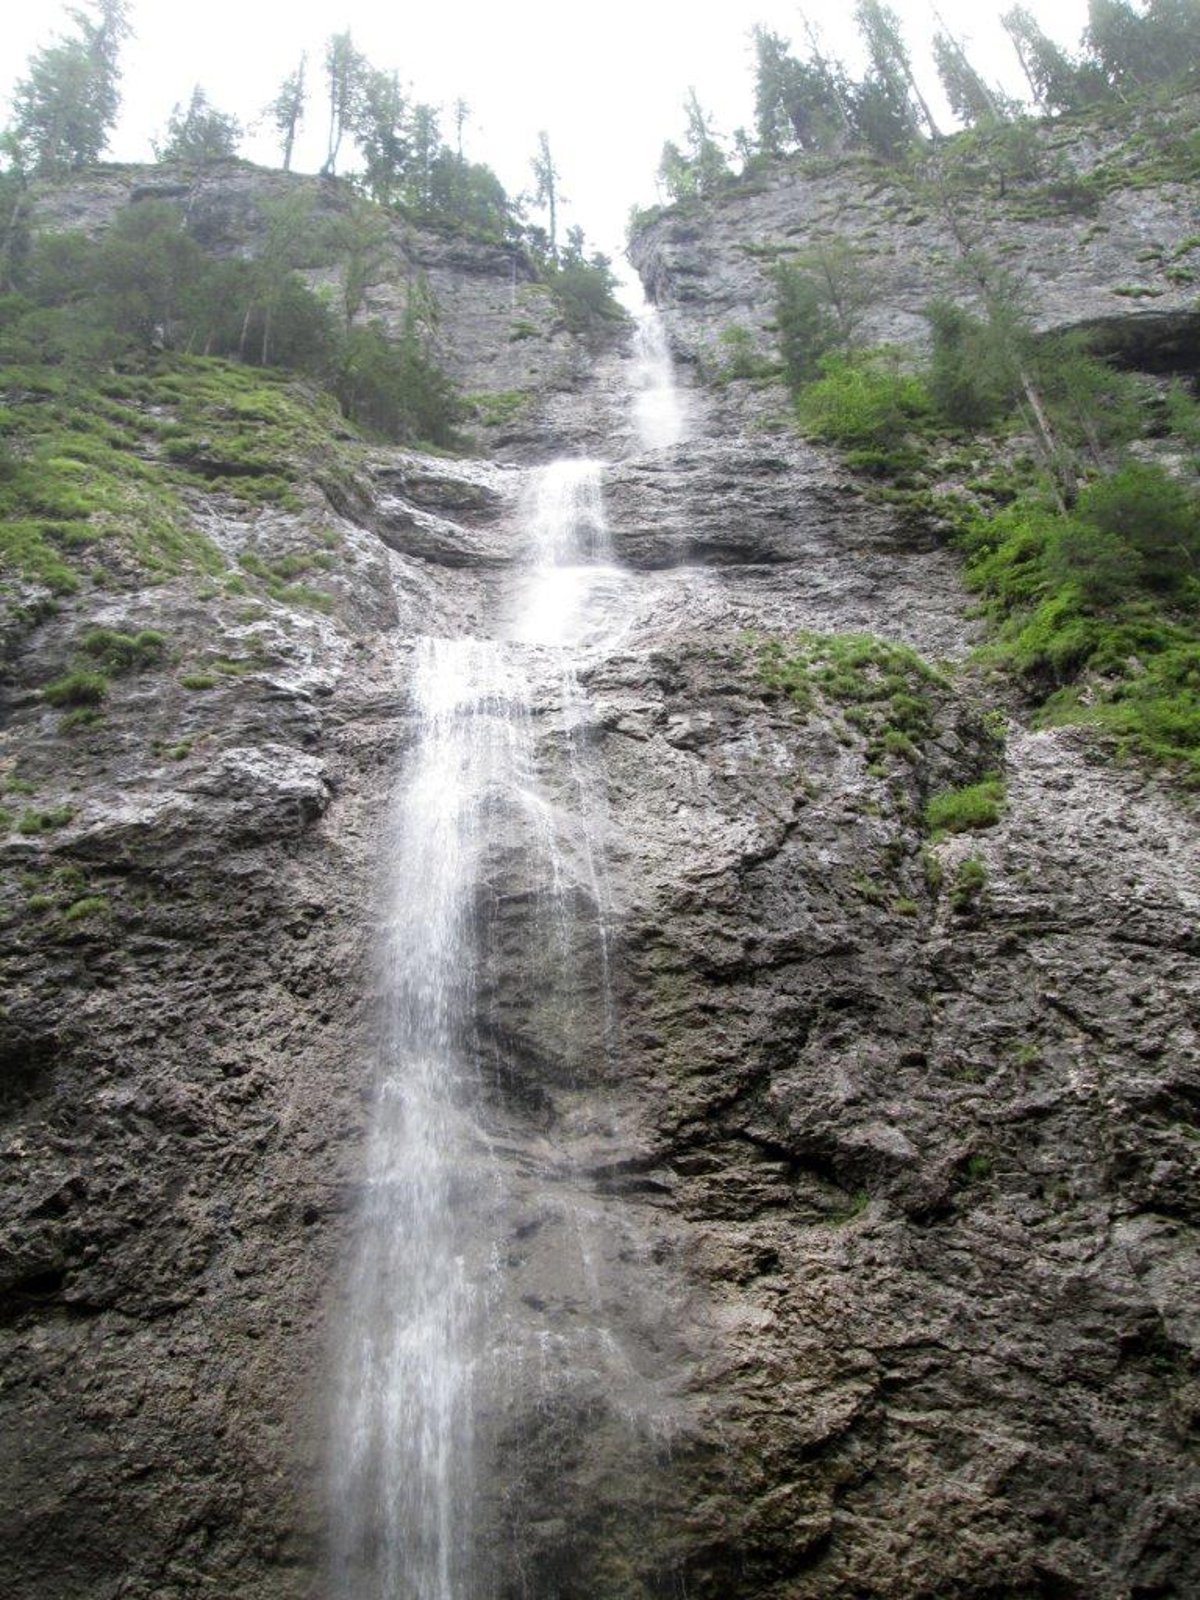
(868, 404)
(1158, 519)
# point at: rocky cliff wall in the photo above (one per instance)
(1094, 220)
(886, 1165)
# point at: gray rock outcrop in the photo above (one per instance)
(866, 1206)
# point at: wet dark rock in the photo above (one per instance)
(885, 1200)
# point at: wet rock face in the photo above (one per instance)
(849, 1176)
(187, 1044)
(899, 1217)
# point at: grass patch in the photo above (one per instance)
(884, 690)
(79, 688)
(35, 822)
(124, 652)
(496, 408)
(968, 885)
(91, 905)
(99, 465)
(975, 805)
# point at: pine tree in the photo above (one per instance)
(545, 177)
(881, 34)
(1054, 78)
(201, 133)
(705, 155)
(287, 109)
(773, 65)
(65, 108)
(378, 118)
(1172, 39)
(969, 97)
(344, 72)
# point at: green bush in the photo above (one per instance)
(91, 905)
(1096, 561)
(968, 885)
(864, 401)
(1156, 515)
(78, 688)
(976, 805)
(972, 379)
(33, 822)
(124, 652)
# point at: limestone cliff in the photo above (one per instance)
(886, 1151)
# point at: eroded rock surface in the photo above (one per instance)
(848, 1176)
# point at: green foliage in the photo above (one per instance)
(102, 458)
(78, 688)
(736, 356)
(1077, 602)
(967, 94)
(199, 133)
(1156, 517)
(801, 103)
(820, 297)
(968, 885)
(865, 402)
(67, 103)
(883, 689)
(972, 379)
(496, 408)
(90, 905)
(287, 109)
(975, 805)
(124, 652)
(391, 387)
(35, 822)
(146, 285)
(583, 290)
(700, 169)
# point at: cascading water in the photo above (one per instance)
(658, 410)
(442, 1333)
(403, 1467)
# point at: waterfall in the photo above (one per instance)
(403, 1457)
(442, 1337)
(658, 411)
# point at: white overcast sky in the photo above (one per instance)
(606, 80)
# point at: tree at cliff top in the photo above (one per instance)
(1056, 81)
(345, 69)
(700, 168)
(800, 103)
(545, 177)
(287, 109)
(891, 69)
(201, 133)
(66, 106)
(1132, 49)
(970, 98)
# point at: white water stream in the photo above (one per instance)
(426, 1333)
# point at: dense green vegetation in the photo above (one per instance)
(1069, 484)
(125, 360)
(1083, 543)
